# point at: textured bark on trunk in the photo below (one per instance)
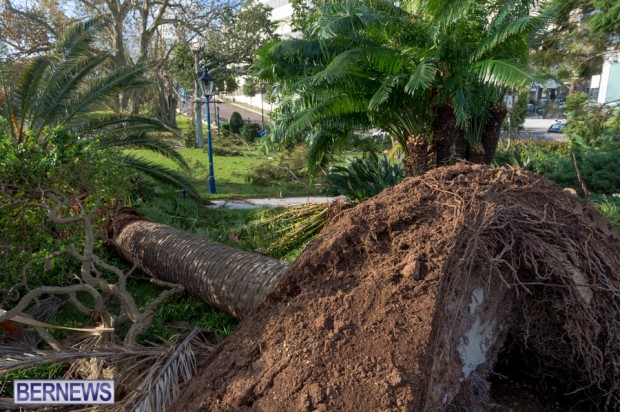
(492, 129)
(447, 134)
(230, 279)
(416, 160)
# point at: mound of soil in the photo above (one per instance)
(410, 300)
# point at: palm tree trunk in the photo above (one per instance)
(449, 139)
(232, 280)
(417, 156)
(492, 129)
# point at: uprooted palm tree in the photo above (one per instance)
(514, 271)
(431, 73)
(66, 87)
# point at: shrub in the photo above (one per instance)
(364, 177)
(189, 136)
(249, 132)
(235, 123)
(266, 173)
(225, 147)
(225, 129)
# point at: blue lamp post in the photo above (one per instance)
(206, 83)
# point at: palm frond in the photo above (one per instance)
(422, 76)
(27, 90)
(61, 85)
(77, 38)
(344, 17)
(361, 61)
(448, 13)
(116, 81)
(383, 94)
(329, 109)
(511, 28)
(114, 122)
(149, 376)
(504, 73)
(161, 174)
(144, 141)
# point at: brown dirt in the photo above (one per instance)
(391, 307)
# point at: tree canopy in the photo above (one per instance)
(434, 72)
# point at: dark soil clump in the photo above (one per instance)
(407, 301)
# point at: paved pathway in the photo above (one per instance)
(269, 202)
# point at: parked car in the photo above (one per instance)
(556, 128)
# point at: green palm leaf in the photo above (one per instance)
(117, 81)
(144, 141)
(161, 174)
(423, 75)
(63, 83)
(361, 62)
(504, 73)
(509, 29)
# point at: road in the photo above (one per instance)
(226, 109)
(536, 129)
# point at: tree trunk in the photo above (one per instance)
(416, 160)
(232, 280)
(492, 130)
(449, 138)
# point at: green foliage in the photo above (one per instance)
(610, 207)
(365, 177)
(181, 313)
(590, 124)
(225, 127)
(85, 176)
(250, 87)
(63, 88)
(395, 67)
(226, 146)
(518, 112)
(189, 135)
(235, 123)
(600, 170)
(249, 132)
(600, 167)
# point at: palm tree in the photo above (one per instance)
(428, 72)
(64, 89)
(232, 280)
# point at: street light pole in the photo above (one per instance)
(207, 82)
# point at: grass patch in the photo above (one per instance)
(232, 175)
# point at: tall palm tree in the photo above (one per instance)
(428, 72)
(66, 87)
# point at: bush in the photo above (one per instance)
(249, 132)
(236, 123)
(225, 129)
(364, 178)
(266, 173)
(225, 147)
(189, 136)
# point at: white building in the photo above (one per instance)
(609, 80)
(281, 13)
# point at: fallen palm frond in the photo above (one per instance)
(287, 229)
(147, 378)
(33, 322)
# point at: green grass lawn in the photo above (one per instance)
(231, 175)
